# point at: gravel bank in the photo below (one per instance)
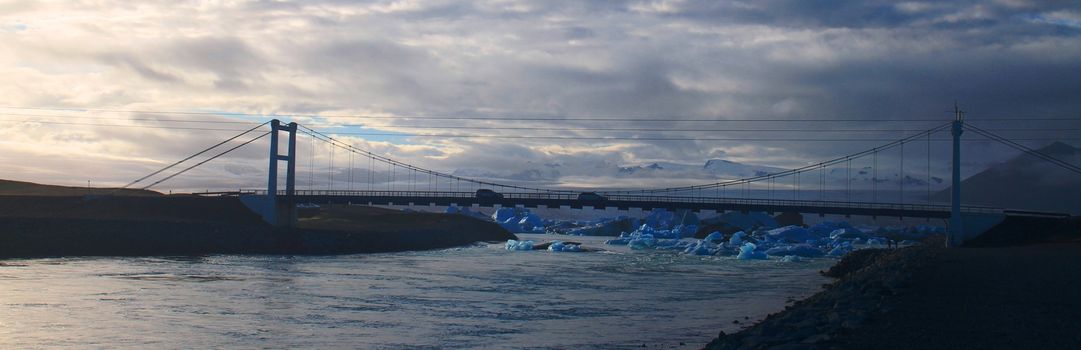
(868, 280)
(929, 297)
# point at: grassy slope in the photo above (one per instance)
(20, 188)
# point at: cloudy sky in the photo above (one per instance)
(583, 92)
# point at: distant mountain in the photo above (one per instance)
(20, 188)
(628, 170)
(729, 169)
(1026, 182)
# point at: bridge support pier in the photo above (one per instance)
(957, 231)
(274, 211)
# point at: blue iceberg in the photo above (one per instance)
(801, 250)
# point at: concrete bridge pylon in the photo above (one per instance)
(274, 209)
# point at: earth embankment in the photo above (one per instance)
(48, 226)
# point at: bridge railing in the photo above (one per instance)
(429, 196)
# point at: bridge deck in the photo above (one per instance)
(624, 202)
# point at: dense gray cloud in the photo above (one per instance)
(677, 60)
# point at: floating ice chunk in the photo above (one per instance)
(746, 252)
(642, 242)
(560, 246)
(826, 227)
(737, 239)
(504, 214)
(791, 258)
(671, 244)
(847, 233)
(874, 241)
(842, 249)
(793, 234)
(681, 231)
(530, 221)
(714, 237)
(608, 227)
(702, 247)
(802, 250)
(519, 245)
(618, 241)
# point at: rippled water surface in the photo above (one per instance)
(473, 297)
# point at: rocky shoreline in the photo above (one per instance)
(867, 280)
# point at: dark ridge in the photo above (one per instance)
(21, 188)
(1034, 184)
(1025, 230)
(189, 225)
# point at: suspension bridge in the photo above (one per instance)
(810, 189)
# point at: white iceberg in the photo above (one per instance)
(519, 245)
(791, 258)
(747, 252)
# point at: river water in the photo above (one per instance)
(480, 297)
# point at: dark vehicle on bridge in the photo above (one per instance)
(590, 196)
(485, 193)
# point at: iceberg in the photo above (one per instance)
(702, 247)
(642, 242)
(825, 228)
(842, 249)
(504, 214)
(791, 234)
(801, 250)
(517, 220)
(618, 241)
(531, 222)
(661, 218)
(747, 252)
(847, 233)
(671, 244)
(612, 227)
(715, 238)
(737, 239)
(791, 258)
(519, 245)
(560, 246)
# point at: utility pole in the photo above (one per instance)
(957, 231)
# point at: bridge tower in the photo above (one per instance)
(282, 213)
(957, 232)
